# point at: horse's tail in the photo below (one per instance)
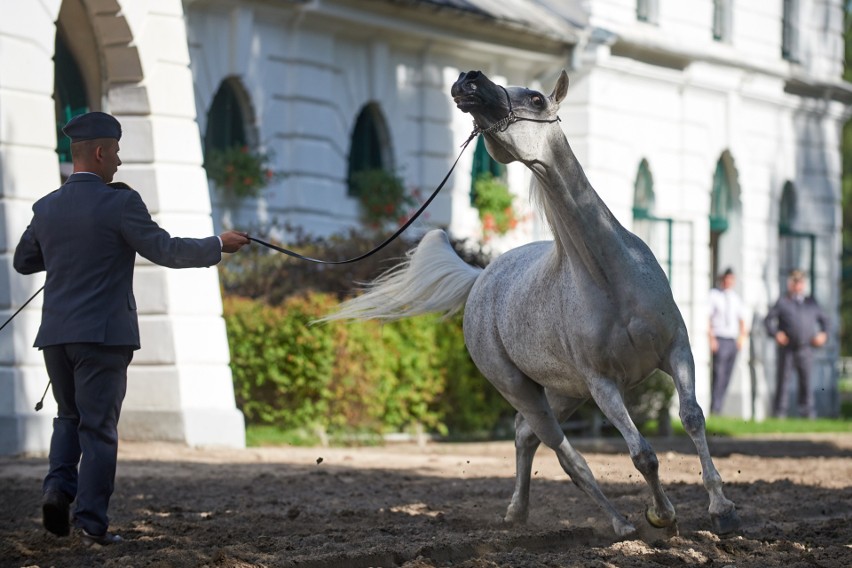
(432, 280)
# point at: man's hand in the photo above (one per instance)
(782, 338)
(232, 241)
(819, 339)
(714, 344)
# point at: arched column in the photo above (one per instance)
(180, 385)
(727, 238)
(28, 169)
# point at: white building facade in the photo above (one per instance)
(132, 61)
(710, 128)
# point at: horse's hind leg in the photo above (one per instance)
(529, 399)
(526, 444)
(679, 364)
(609, 399)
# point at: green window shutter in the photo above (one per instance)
(70, 93)
(790, 31)
(483, 164)
(365, 152)
(643, 192)
(720, 200)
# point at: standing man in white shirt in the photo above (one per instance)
(727, 334)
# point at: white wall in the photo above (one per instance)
(666, 92)
(310, 72)
(148, 87)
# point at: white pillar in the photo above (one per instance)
(28, 169)
(179, 384)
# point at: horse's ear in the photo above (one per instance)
(561, 88)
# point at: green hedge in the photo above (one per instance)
(354, 376)
(370, 377)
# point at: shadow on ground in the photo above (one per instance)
(189, 514)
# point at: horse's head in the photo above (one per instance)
(515, 121)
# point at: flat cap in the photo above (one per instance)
(92, 125)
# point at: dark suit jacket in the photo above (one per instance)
(86, 235)
(800, 321)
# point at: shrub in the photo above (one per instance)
(382, 197)
(281, 365)
(257, 272)
(341, 376)
(493, 200)
(650, 401)
(468, 404)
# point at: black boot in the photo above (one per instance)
(54, 513)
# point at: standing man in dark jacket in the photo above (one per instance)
(798, 324)
(86, 235)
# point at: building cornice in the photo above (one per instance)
(655, 49)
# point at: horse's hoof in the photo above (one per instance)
(656, 521)
(725, 523)
(513, 518)
(624, 529)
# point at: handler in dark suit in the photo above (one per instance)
(86, 235)
(798, 324)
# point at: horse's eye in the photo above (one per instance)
(537, 100)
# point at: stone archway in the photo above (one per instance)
(180, 311)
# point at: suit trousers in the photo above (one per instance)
(723, 367)
(89, 383)
(801, 358)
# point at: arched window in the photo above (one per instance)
(368, 150)
(483, 164)
(655, 231)
(790, 31)
(726, 232)
(720, 202)
(70, 94)
(647, 11)
(722, 20)
(238, 168)
(643, 192)
(227, 118)
(787, 213)
(797, 249)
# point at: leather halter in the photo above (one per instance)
(503, 124)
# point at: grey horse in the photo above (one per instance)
(552, 324)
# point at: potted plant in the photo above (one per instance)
(493, 200)
(382, 197)
(238, 171)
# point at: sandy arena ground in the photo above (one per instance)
(441, 505)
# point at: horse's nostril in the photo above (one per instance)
(468, 77)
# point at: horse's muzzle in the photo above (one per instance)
(468, 90)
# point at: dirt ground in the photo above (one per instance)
(441, 505)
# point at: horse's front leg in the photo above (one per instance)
(529, 399)
(611, 402)
(680, 365)
(526, 444)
